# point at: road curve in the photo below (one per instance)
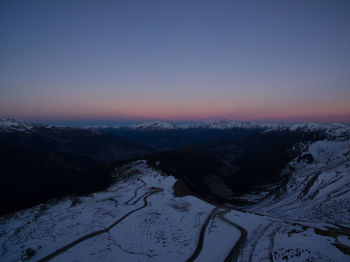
(233, 255)
(95, 233)
(135, 192)
(201, 236)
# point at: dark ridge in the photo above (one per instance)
(102, 147)
(165, 140)
(29, 177)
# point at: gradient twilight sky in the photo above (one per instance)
(175, 60)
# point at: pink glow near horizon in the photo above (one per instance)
(197, 112)
(176, 61)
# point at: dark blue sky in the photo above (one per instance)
(175, 60)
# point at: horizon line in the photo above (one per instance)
(108, 122)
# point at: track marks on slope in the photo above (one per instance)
(258, 235)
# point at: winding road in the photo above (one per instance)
(215, 211)
(233, 255)
(101, 231)
(135, 192)
(201, 235)
(237, 246)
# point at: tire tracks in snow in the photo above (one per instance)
(259, 235)
(272, 240)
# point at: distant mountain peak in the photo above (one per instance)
(228, 124)
(154, 125)
(10, 124)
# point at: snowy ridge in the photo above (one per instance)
(228, 124)
(334, 130)
(154, 125)
(101, 127)
(9, 125)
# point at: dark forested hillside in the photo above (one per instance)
(99, 146)
(170, 139)
(43, 163)
(30, 176)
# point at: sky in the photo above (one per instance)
(284, 61)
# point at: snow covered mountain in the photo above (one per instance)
(228, 124)
(210, 124)
(9, 125)
(141, 218)
(154, 125)
(318, 188)
(333, 130)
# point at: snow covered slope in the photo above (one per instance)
(137, 219)
(318, 188)
(140, 219)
